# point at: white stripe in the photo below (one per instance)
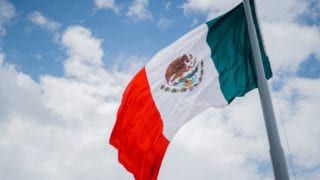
(178, 108)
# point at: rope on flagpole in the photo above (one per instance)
(278, 102)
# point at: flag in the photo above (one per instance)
(207, 67)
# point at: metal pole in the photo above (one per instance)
(276, 152)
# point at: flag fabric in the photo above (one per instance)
(207, 67)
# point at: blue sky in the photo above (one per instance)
(33, 48)
(65, 64)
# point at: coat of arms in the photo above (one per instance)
(183, 74)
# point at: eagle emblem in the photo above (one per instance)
(183, 74)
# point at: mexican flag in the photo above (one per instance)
(207, 67)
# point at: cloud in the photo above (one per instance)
(164, 23)
(311, 15)
(288, 44)
(21, 97)
(286, 10)
(58, 127)
(38, 19)
(211, 8)
(106, 4)
(85, 53)
(138, 11)
(300, 101)
(7, 12)
(129, 64)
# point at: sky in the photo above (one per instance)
(64, 66)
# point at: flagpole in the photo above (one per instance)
(276, 152)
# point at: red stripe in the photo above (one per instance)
(137, 133)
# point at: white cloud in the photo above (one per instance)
(301, 104)
(85, 53)
(58, 128)
(312, 13)
(138, 10)
(80, 44)
(211, 8)
(7, 12)
(164, 23)
(288, 44)
(286, 10)
(38, 19)
(130, 64)
(106, 4)
(21, 97)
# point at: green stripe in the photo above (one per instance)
(231, 52)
